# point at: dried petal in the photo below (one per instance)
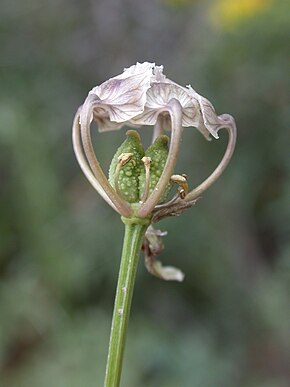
(197, 111)
(167, 273)
(121, 98)
(138, 95)
(154, 238)
(158, 97)
(158, 75)
(209, 121)
(153, 245)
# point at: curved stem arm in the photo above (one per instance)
(230, 125)
(175, 111)
(109, 195)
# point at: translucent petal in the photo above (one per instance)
(122, 97)
(158, 97)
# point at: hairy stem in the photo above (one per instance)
(134, 233)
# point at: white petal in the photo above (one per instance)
(141, 92)
(158, 97)
(158, 75)
(138, 68)
(209, 120)
(104, 124)
(124, 96)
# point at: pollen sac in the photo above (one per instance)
(158, 153)
(128, 171)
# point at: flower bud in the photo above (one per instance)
(158, 153)
(127, 168)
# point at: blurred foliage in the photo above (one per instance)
(227, 324)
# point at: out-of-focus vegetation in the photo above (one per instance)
(228, 324)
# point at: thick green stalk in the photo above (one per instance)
(134, 233)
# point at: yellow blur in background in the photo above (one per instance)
(230, 13)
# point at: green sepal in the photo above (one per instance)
(158, 153)
(128, 177)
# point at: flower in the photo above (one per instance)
(139, 181)
(143, 95)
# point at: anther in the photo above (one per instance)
(181, 180)
(123, 159)
(147, 162)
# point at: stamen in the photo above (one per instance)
(175, 111)
(123, 159)
(84, 164)
(81, 128)
(147, 162)
(181, 180)
(228, 123)
(159, 127)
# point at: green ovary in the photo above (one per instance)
(131, 180)
(128, 177)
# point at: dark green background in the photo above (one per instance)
(228, 323)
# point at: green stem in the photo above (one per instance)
(134, 233)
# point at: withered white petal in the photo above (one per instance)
(140, 93)
(106, 125)
(197, 111)
(122, 97)
(138, 68)
(158, 97)
(209, 120)
(158, 75)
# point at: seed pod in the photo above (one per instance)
(128, 182)
(158, 153)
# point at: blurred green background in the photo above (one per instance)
(228, 323)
